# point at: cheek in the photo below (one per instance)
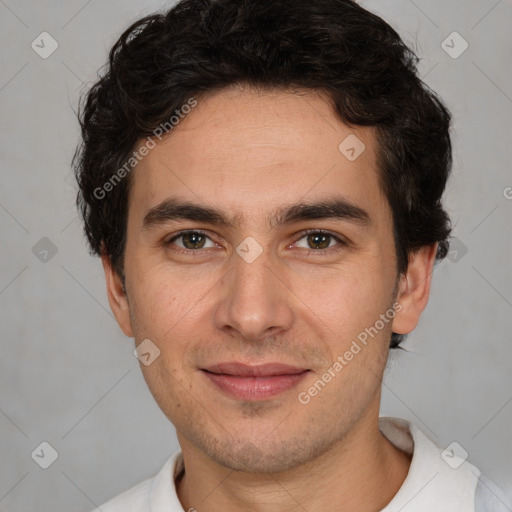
(164, 308)
(172, 310)
(163, 298)
(346, 299)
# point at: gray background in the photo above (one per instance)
(68, 375)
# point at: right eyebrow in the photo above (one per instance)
(174, 209)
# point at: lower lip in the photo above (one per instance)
(255, 388)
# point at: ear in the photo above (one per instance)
(414, 289)
(116, 296)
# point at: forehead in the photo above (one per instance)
(251, 151)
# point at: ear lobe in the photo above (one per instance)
(116, 296)
(414, 289)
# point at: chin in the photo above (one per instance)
(272, 458)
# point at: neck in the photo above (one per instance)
(361, 472)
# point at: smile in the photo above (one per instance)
(245, 382)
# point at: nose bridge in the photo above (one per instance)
(254, 301)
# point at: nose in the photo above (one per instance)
(255, 302)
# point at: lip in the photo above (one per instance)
(254, 382)
(260, 370)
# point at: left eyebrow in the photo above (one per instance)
(335, 208)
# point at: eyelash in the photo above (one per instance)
(316, 252)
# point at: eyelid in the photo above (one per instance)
(184, 232)
(341, 240)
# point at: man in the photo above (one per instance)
(263, 183)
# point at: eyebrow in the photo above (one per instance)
(334, 208)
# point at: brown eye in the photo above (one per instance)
(319, 240)
(191, 240)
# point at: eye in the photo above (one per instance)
(313, 241)
(191, 240)
(317, 241)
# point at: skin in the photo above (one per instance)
(248, 153)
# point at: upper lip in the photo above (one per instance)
(262, 370)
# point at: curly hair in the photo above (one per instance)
(353, 56)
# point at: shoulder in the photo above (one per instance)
(436, 477)
(134, 499)
(490, 498)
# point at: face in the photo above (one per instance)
(257, 257)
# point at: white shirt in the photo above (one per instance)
(432, 484)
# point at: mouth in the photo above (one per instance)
(258, 382)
